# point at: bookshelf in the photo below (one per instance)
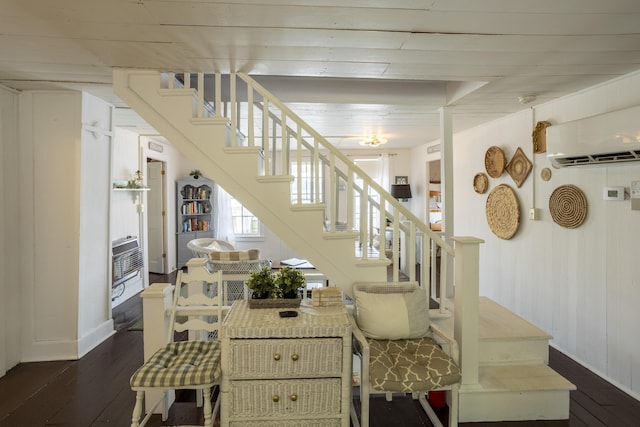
(195, 214)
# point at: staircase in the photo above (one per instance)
(241, 136)
(514, 381)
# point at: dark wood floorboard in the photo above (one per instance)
(94, 391)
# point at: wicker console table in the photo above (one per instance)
(286, 371)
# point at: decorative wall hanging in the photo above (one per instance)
(568, 206)
(539, 137)
(480, 183)
(503, 212)
(519, 167)
(494, 161)
(545, 174)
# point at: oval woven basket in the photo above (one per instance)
(568, 206)
(480, 183)
(495, 161)
(503, 212)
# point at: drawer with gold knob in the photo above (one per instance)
(282, 398)
(285, 358)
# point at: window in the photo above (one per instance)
(245, 224)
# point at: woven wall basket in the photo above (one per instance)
(519, 167)
(495, 161)
(503, 212)
(568, 206)
(480, 183)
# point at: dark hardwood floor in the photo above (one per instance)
(94, 391)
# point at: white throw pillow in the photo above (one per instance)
(392, 311)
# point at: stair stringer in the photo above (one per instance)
(204, 142)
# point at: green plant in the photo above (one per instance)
(262, 283)
(195, 173)
(282, 284)
(289, 280)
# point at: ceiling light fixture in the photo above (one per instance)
(373, 141)
(526, 99)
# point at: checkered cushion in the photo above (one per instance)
(180, 364)
(248, 255)
(410, 365)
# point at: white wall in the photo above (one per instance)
(579, 284)
(63, 273)
(9, 233)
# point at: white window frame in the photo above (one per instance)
(258, 235)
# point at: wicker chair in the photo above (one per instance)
(398, 349)
(237, 266)
(192, 364)
(203, 246)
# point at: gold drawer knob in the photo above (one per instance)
(294, 397)
(276, 398)
(276, 357)
(294, 357)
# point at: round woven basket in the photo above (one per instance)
(480, 183)
(503, 212)
(495, 161)
(568, 206)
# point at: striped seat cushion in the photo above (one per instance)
(248, 255)
(180, 364)
(410, 365)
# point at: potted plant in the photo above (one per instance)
(273, 290)
(262, 284)
(195, 173)
(289, 281)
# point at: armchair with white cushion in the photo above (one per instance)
(399, 351)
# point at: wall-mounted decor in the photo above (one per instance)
(494, 161)
(519, 167)
(568, 206)
(545, 174)
(503, 212)
(402, 180)
(480, 183)
(539, 137)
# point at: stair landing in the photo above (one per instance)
(514, 381)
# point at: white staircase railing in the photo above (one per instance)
(320, 175)
(232, 111)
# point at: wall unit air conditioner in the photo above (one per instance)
(606, 138)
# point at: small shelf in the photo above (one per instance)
(131, 189)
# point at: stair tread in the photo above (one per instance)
(521, 378)
(496, 323)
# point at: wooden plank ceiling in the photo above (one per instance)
(410, 57)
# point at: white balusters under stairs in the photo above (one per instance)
(329, 211)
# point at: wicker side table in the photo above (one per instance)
(292, 371)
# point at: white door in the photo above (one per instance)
(155, 217)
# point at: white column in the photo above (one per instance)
(446, 177)
(156, 300)
(466, 309)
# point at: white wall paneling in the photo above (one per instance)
(9, 232)
(579, 284)
(57, 291)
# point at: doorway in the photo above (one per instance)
(156, 224)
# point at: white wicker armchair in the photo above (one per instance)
(237, 266)
(398, 349)
(202, 247)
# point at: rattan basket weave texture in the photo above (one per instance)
(495, 161)
(503, 212)
(568, 206)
